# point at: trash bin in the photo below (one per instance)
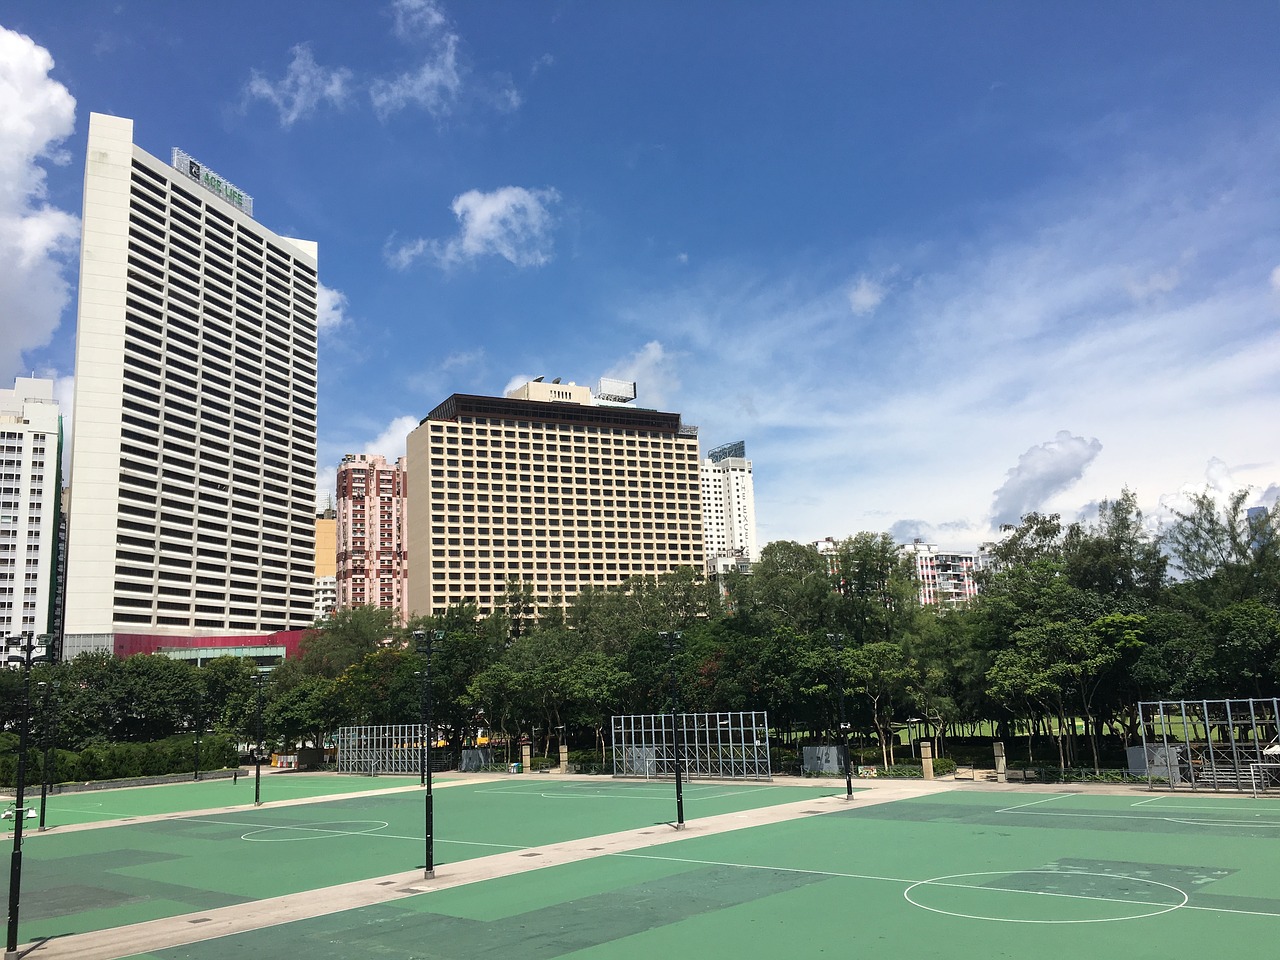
(515, 768)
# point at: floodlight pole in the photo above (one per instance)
(673, 641)
(837, 644)
(423, 641)
(19, 804)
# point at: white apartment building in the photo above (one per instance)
(728, 509)
(30, 498)
(551, 485)
(194, 453)
(946, 577)
(372, 559)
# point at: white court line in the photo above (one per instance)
(1148, 800)
(863, 876)
(348, 833)
(1032, 803)
(664, 797)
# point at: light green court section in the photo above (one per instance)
(114, 876)
(961, 876)
(96, 806)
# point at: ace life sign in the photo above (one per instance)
(193, 168)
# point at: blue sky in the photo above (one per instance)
(938, 264)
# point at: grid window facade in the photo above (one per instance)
(210, 487)
(373, 558)
(563, 497)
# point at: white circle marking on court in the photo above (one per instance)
(942, 882)
(318, 831)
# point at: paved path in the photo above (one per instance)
(154, 935)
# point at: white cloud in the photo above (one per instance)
(331, 310)
(865, 295)
(655, 372)
(390, 443)
(305, 86)
(436, 83)
(37, 241)
(1275, 279)
(415, 19)
(1044, 470)
(510, 222)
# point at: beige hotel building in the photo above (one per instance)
(552, 484)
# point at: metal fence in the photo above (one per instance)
(1211, 745)
(712, 746)
(389, 749)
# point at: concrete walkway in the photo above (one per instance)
(155, 935)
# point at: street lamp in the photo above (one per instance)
(911, 732)
(50, 730)
(20, 811)
(422, 641)
(199, 725)
(837, 644)
(259, 678)
(673, 643)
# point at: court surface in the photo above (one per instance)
(960, 874)
(963, 873)
(122, 803)
(126, 873)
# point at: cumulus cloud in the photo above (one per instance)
(331, 310)
(37, 241)
(865, 295)
(390, 444)
(510, 222)
(305, 86)
(1044, 470)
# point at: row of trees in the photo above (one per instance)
(1075, 625)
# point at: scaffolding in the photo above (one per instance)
(1211, 744)
(390, 749)
(712, 746)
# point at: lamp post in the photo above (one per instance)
(259, 679)
(673, 641)
(50, 732)
(423, 641)
(20, 811)
(837, 645)
(199, 725)
(911, 732)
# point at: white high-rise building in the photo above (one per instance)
(194, 452)
(30, 454)
(728, 509)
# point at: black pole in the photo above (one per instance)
(50, 730)
(837, 643)
(677, 737)
(257, 751)
(423, 642)
(19, 807)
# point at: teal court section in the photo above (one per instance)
(118, 875)
(955, 875)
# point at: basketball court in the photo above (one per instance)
(544, 868)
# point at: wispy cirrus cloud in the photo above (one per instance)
(38, 241)
(513, 223)
(1137, 309)
(303, 89)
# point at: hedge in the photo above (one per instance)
(119, 761)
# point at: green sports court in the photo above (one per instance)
(963, 871)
